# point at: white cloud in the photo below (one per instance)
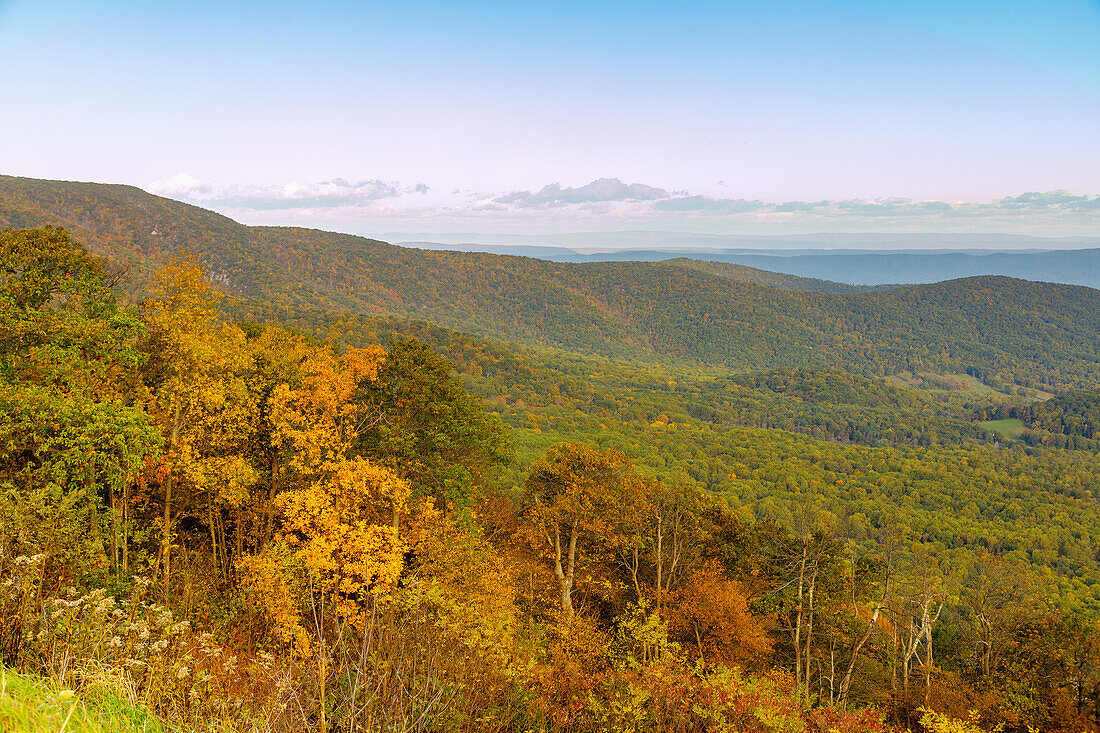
(337, 192)
(180, 185)
(374, 205)
(602, 190)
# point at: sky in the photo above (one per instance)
(522, 117)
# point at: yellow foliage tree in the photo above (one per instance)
(335, 530)
(467, 587)
(201, 399)
(336, 543)
(318, 423)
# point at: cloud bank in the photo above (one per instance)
(373, 205)
(602, 190)
(334, 193)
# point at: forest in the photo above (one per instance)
(1012, 334)
(223, 511)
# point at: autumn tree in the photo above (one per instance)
(574, 492)
(805, 566)
(337, 511)
(916, 608)
(203, 403)
(709, 614)
(660, 532)
(1001, 597)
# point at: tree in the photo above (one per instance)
(340, 531)
(337, 531)
(71, 437)
(202, 401)
(710, 612)
(804, 564)
(917, 608)
(427, 427)
(1001, 598)
(659, 533)
(573, 492)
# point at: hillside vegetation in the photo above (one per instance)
(1002, 330)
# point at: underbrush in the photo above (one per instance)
(414, 664)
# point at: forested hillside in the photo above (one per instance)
(1000, 329)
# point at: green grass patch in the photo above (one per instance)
(1008, 429)
(34, 704)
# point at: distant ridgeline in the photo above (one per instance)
(877, 269)
(1005, 331)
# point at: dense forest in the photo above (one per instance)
(1005, 331)
(1071, 419)
(231, 511)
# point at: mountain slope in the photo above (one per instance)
(996, 327)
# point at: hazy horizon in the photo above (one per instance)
(613, 241)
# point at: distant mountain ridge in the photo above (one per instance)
(697, 313)
(859, 267)
(587, 242)
(1071, 267)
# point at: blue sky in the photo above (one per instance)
(427, 116)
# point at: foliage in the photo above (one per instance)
(934, 722)
(677, 547)
(712, 617)
(71, 437)
(428, 428)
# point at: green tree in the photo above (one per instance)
(427, 427)
(71, 437)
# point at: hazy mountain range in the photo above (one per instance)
(857, 259)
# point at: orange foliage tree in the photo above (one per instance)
(710, 615)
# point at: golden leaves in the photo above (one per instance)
(319, 421)
(337, 522)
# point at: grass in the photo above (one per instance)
(973, 384)
(1007, 429)
(30, 704)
